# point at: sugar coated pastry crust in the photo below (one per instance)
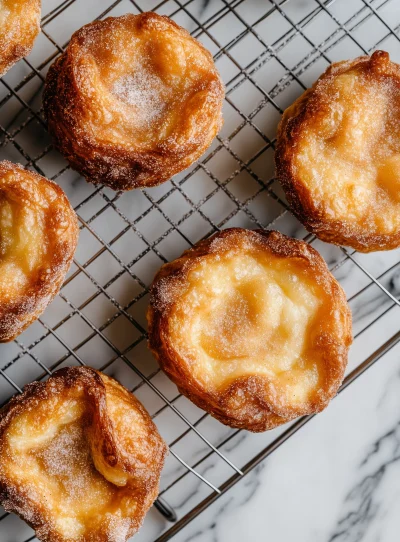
(80, 458)
(133, 100)
(252, 327)
(19, 26)
(338, 154)
(38, 238)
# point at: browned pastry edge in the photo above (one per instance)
(144, 482)
(108, 164)
(15, 46)
(298, 195)
(17, 315)
(258, 415)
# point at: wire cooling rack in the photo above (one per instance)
(268, 52)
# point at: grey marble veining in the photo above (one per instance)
(335, 480)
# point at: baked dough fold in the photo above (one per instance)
(133, 100)
(38, 238)
(80, 458)
(252, 327)
(19, 26)
(338, 154)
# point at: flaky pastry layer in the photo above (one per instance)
(19, 26)
(252, 327)
(80, 458)
(38, 238)
(338, 154)
(133, 100)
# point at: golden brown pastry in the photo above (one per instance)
(38, 237)
(19, 26)
(80, 458)
(338, 154)
(133, 100)
(252, 327)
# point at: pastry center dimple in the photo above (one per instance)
(246, 317)
(144, 92)
(57, 456)
(240, 324)
(67, 458)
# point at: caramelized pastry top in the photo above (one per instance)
(19, 26)
(252, 327)
(38, 237)
(146, 78)
(80, 458)
(338, 154)
(139, 89)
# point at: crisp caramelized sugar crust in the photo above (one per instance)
(133, 100)
(252, 327)
(19, 26)
(38, 237)
(338, 154)
(80, 458)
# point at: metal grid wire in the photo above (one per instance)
(98, 316)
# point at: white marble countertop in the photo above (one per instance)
(337, 478)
